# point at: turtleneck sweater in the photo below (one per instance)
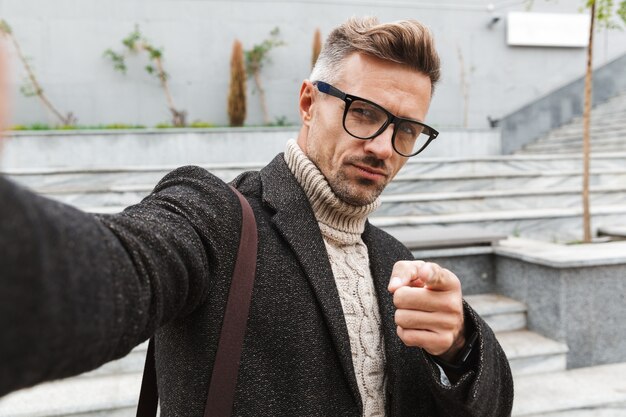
(342, 225)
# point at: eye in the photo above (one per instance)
(363, 112)
(408, 129)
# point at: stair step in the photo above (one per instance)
(576, 145)
(615, 138)
(501, 313)
(103, 395)
(530, 353)
(501, 180)
(131, 363)
(486, 200)
(44, 179)
(394, 221)
(395, 204)
(593, 391)
(550, 224)
(612, 410)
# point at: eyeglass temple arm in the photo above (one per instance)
(329, 89)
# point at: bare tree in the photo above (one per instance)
(136, 43)
(32, 86)
(256, 59)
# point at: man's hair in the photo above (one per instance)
(406, 42)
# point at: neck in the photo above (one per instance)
(329, 210)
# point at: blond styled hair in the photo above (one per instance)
(406, 42)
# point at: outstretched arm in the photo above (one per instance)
(78, 290)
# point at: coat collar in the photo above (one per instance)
(295, 221)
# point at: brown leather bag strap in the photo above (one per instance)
(226, 367)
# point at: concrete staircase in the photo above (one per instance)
(535, 196)
(543, 385)
(608, 132)
(528, 352)
(111, 390)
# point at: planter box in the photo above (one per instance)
(575, 294)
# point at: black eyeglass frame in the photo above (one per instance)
(391, 118)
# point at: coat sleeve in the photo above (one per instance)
(486, 388)
(78, 290)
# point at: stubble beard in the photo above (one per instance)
(363, 193)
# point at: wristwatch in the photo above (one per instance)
(461, 363)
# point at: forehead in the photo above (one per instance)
(397, 87)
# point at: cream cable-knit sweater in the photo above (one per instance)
(341, 225)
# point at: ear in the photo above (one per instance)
(307, 98)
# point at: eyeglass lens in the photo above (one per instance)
(364, 120)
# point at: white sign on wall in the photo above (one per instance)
(548, 29)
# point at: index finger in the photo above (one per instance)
(421, 274)
(437, 278)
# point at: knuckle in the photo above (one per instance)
(398, 317)
(397, 298)
(400, 297)
(400, 332)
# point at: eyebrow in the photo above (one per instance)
(380, 105)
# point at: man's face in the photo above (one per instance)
(358, 170)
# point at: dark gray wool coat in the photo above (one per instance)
(78, 290)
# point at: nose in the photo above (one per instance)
(381, 146)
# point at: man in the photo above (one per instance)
(342, 321)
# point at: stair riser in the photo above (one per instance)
(101, 396)
(43, 182)
(507, 322)
(459, 168)
(565, 152)
(500, 183)
(577, 145)
(561, 229)
(509, 202)
(538, 364)
(601, 117)
(568, 150)
(578, 139)
(131, 363)
(496, 203)
(125, 412)
(604, 114)
(596, 127)
(124, 178)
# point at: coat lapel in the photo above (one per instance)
(381, 266)
(296, 223)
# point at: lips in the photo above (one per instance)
(371, 171)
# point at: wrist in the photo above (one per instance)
(458, 360)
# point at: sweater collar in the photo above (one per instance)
(338, 220)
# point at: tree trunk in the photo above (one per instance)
(178, 117)
(586, 131)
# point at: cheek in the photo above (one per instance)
(397, 164)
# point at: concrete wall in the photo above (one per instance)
(176, 147)
(65, 40)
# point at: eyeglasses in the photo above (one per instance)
(364, 119)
